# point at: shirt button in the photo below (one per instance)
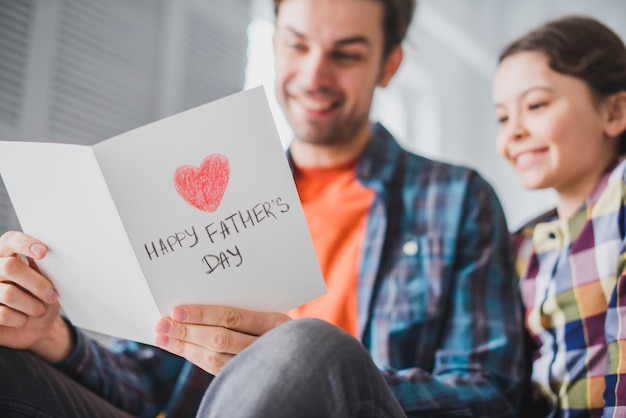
(410, 248)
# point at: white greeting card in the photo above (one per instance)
(199, 207)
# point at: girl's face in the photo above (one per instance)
(552, 130)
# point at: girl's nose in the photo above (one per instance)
(517, 129)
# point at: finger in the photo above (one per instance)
(11, 318)
(13, 243)
(33, 265)
(216, 339)
(14, 298)
(209, 361)
(12, 270)
(249, 322)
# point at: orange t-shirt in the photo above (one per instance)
(336, 207)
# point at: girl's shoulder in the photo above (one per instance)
(526, 230)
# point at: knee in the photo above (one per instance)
(315, 339)
(307, 331)
(11, 360)
(21, 366)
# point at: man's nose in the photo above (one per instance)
(316, 71)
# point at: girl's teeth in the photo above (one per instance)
(527, 156)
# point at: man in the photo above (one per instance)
(415, 254)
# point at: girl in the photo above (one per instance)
(560, 98)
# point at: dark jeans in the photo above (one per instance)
(304, 368)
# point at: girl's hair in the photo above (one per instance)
(581, 47)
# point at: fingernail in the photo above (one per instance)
(179, 314)
(53, 296)
(162, 340)
(38, 250)
(163, 326)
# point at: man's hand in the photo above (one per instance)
(29, 309)
(209, 336)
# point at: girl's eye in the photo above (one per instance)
(502, 119)
(297, 47)
(534, 106)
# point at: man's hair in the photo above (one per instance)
(397, 18)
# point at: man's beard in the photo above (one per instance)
(334, 133)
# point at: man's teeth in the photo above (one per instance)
(315, 104)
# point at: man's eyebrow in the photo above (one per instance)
(357, 39)
(293, 31)
(354, 40)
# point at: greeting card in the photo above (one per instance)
(199, 207)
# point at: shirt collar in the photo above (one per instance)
(379, 160)
(549, 231)
(617, 167)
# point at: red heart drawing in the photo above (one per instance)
(203, 187)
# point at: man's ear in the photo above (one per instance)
(616, 115)
(391, 65)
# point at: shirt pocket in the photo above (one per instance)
(412, 289)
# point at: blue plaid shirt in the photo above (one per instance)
(438, 303)
(439, 306)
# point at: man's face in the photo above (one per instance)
(329, 59)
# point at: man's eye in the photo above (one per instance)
(345, 56)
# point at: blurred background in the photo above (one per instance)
(81, 71)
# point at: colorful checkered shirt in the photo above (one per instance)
(573, 285)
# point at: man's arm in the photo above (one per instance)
(478, 361)
(136, 378)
